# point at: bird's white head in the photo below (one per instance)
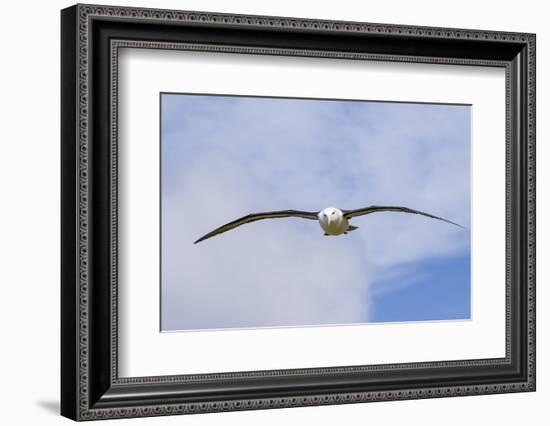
(329, 216)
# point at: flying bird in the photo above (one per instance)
(332, 220)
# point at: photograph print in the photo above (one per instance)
(298, 212)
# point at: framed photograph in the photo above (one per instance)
(263, 212)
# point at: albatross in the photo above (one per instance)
(332, 220)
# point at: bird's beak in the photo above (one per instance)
(329, 219)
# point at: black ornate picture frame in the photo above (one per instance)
(90, 385)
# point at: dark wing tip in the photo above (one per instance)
(440, 218)
(204, 237)
(444, 220)
(458, 224)
(452, 223)
(436, 217)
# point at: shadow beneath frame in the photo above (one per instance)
(50, 406)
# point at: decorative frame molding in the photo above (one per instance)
(91, 37)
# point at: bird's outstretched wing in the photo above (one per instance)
(258, 216)
(374, 209)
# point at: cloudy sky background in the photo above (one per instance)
(224, 157)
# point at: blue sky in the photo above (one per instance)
(224, 157)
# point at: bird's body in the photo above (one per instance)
(332, 220)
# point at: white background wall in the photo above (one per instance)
(29, 211)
